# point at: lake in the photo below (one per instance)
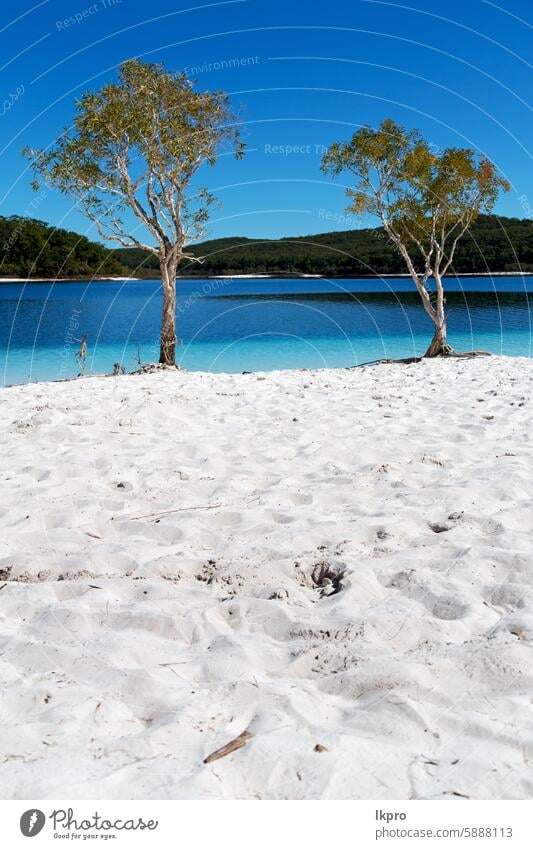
(251, 325)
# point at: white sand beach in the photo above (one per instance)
(333, 559)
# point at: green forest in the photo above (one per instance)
(31, 248)
(494, 244)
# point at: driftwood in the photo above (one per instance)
(230, 747)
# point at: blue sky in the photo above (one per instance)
(301, 75)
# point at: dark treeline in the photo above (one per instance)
(31, 248)
(494, 244)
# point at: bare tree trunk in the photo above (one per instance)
(167, 351)
(438, 346)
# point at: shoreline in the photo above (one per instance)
(346, 574)
(81, 279)
(259, 276)
(261, 375)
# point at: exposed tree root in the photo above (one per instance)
(451, 355)
(151, 368)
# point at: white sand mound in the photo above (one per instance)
(334, 558)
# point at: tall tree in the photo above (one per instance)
(426, 200)
(136, 146)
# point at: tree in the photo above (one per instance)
(136, 146)
(426, 200)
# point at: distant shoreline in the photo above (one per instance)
(259, 276)
(79, 279)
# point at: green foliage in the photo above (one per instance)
(420, 193)
(426, 200)
(136, 145)
(31, 248)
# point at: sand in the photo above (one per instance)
(338, 559)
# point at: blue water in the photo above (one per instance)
(250, 325)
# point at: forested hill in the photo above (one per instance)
(31, 248)
(494, 244)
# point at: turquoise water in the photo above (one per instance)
(250, 325)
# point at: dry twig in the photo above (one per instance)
(238, 743)
(177, 510)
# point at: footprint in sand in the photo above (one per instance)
(447, 607)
